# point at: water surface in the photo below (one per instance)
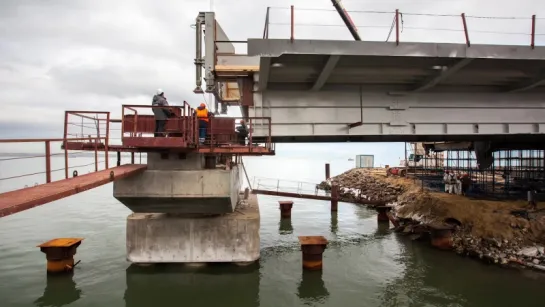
(364, 265)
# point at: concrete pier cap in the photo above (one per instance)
(175, 183)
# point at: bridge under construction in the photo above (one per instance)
(187, 201)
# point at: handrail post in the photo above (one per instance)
(96, 154)
(468, 43)
(532, 40)
(107, 139)
(251, 137)
(122, 122)
(47, 161)
(65, 143)
(292, 24)
(266, 28)
(397, 27)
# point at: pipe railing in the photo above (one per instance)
(47, 154)
(398, 23)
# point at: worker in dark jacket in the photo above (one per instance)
(203, 117)
(242, 133)
(161, 114)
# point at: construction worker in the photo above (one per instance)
(242, 132)
(446, 180)
(161, 114)
(204, 117)
(466, 183)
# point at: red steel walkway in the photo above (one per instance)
(27, 198)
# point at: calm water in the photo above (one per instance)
(363, 265)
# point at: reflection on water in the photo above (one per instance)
(312, 288)
(334, 223)
(383, 229)
(176, 285)
(285, 227)
(60, 290)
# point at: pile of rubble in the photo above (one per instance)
(370, 184)
(492, 231)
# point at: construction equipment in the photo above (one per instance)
(346, 18)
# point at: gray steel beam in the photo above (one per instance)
(310, 114)
(535, 82)
(277, 47)
(326, 72)
(264, 72)
(442, 75)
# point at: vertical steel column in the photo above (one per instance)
(64, 143)
(47, 162)
(327, 171)
(532, 40)
(397, 27)
(198, 53)
(107, 140)
(334, 197)
(292, 37)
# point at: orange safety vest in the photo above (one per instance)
(202, 114)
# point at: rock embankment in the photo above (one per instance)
(365, 184)
(501, 232)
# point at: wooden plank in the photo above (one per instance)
(27, 198)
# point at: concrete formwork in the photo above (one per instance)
(166, 238)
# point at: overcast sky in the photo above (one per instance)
(57, 55)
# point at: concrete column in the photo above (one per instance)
(334, 197)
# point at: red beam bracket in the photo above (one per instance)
(468, 43)
(533, 38)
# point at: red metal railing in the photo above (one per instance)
(137, 124)
(93, 124)
(182, 129)
(221, 134)
(47, 155)
(485, 23)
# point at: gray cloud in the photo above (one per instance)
(57, 55)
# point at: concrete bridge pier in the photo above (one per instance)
(186, 211)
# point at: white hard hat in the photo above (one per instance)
(159, 91)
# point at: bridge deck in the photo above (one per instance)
(27, 198)
(387, 67)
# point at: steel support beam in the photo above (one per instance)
(278, 47)
(328, 68)
(264, 72)
(442, 75)
(535, 82)
(307, 115)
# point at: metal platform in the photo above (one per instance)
(181, 132)
(27, 198)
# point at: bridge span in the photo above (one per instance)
(337, 91)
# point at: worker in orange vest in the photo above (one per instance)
(204, 117)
